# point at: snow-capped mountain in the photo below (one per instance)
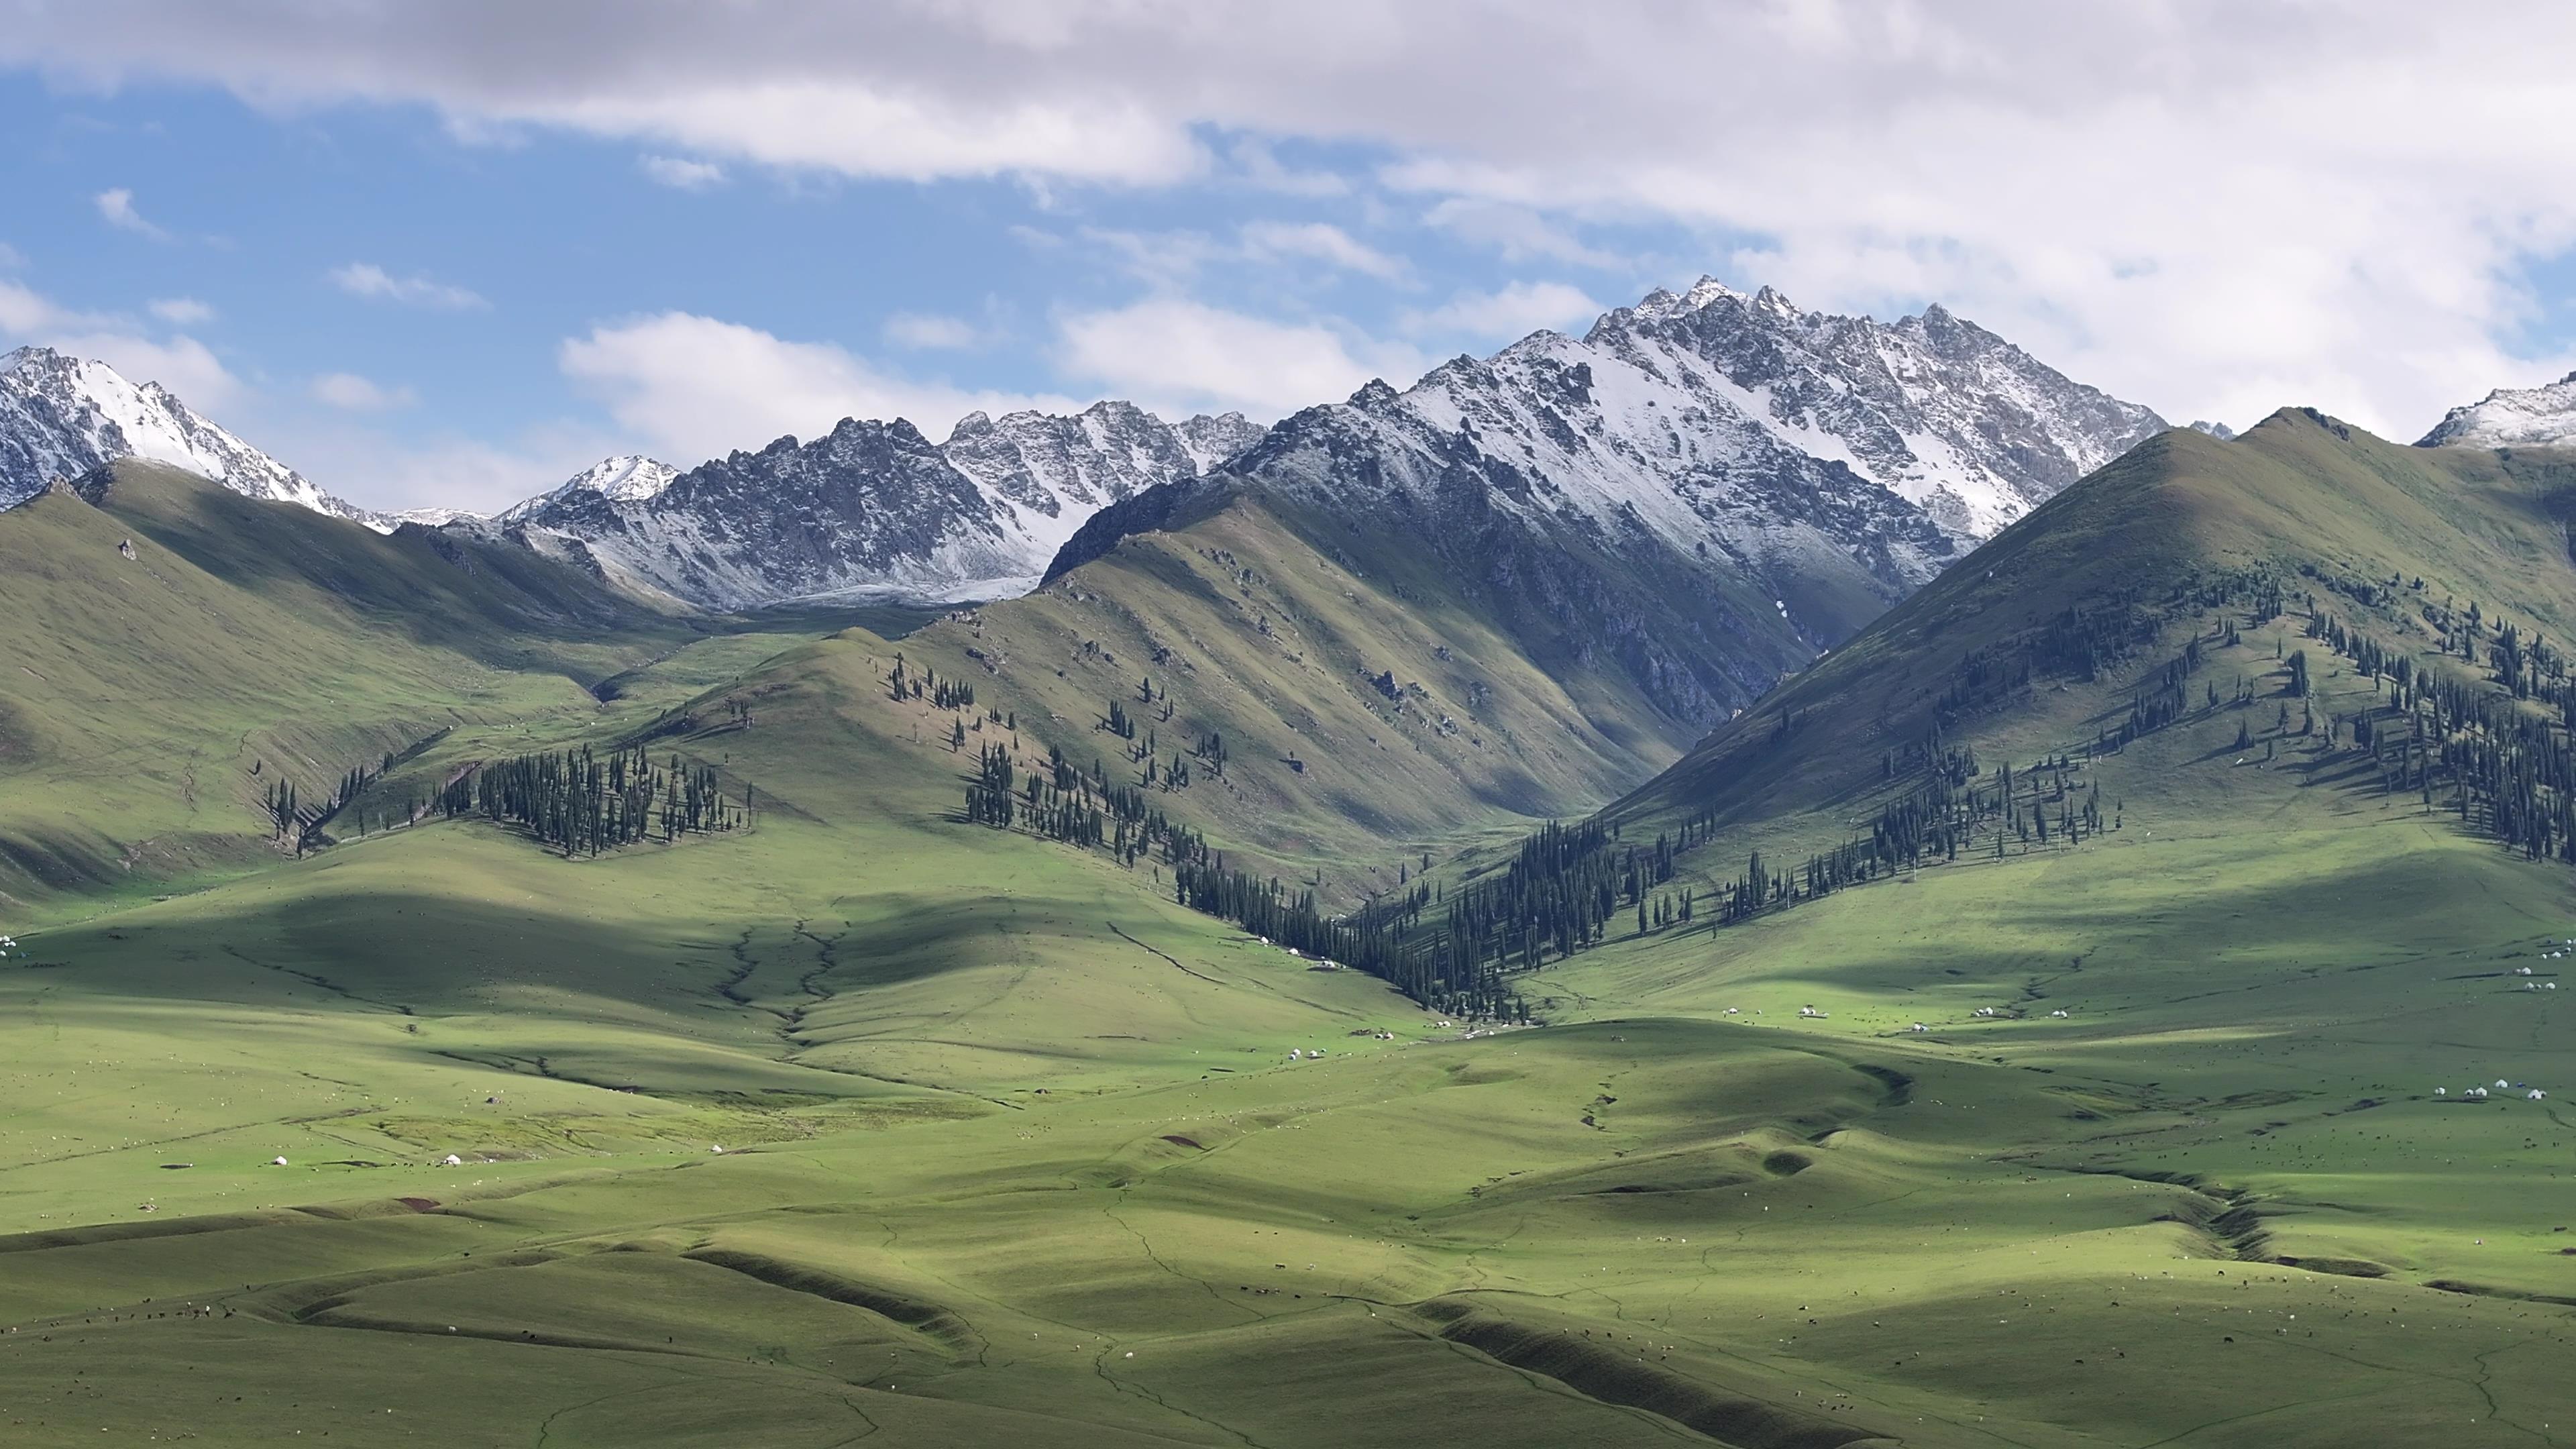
(870, 509)
(1730, 428)
(2527, 417)
(62, 416)
(1700, 494)
(626, 478)
(1950, 416)
(1831, 456)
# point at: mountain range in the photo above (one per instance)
(870, 509)
(1835, 457)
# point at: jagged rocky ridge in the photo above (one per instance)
(1832, 458)
(2527, 417)
(871, 509)
(62, 417)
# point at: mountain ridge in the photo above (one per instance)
(1854, 456)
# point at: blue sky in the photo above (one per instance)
(363, 273)
(450, 254)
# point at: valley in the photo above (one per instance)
(893, 1125)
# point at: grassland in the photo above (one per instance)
(1014, 1151)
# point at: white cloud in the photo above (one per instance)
(1179, 356)
(366, 279)
(181, 311)
(351, 393)
(11, 258)
(888, 130)
(696, 387)
(181, 363)
(1318, 241)
(25, 313)
(681, 173)
(1258, 165)
(116, 206)
(1508, 313)
(931, 332)
(365, 464)
(1519, 233)
(2210, 205)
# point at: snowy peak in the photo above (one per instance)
(626, 478)
(61, 416)
(2529, 417)
(1826, 465)
(1950, 416)
(1214, 439)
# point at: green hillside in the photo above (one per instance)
(1014, 1148)
(2399, 542)
(1371, 702)
(150, 702)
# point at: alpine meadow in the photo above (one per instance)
(1724, 872)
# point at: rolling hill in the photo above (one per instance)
(893, 1126)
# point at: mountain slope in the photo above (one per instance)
(1519, 587)
(2530, 417)
(61, 417)
(2041, 641)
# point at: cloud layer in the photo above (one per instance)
(2215, 206)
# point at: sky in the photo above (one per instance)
(451, 254)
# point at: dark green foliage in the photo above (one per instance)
(582, 803)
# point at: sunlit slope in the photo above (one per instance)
(1372, 705)
(2315, 505)
(149, 701)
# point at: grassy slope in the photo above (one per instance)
(2296, 490)
(149, 702)
(1654, 1223)
(1269, 628)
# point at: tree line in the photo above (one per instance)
(582, 803)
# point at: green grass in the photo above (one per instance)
(1269, 627)
(1014, 1152)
